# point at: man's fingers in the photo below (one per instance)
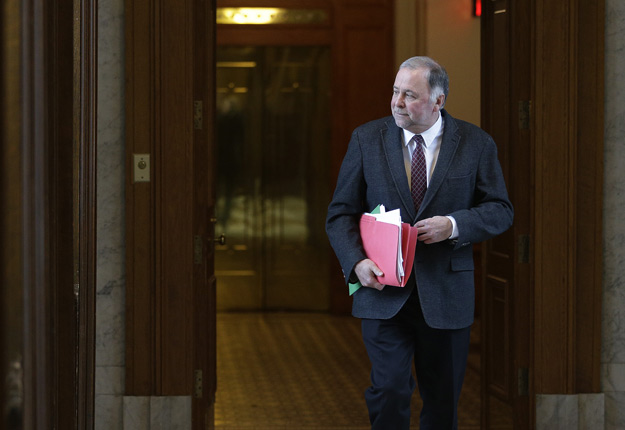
(432, 230)
(367, 270)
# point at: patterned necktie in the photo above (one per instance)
(418, 173)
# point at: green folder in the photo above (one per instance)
(355, 286)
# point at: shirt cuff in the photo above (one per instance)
(454, 232)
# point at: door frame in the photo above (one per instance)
(555, 114)
(48, 122)
(355, 28)
(85, 85)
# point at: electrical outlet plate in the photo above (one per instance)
(141, 167)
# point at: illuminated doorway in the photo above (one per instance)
(273, 138)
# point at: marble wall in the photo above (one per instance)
(114, 411)
(613, 338)
(110, 217)
(570, 412)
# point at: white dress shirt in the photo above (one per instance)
(432, 139)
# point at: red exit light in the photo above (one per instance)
(477, 7)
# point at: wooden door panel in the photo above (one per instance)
(160, 260)
(170, 342)
(173, 182)
(140, 251)
(204, 282)
(498, 346)
(498, 338)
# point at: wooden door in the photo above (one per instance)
(543, 102)
(170, 326)
(204, 238)
(505, 317)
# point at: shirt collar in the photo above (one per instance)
(428, 135)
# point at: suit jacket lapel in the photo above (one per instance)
(450, 141)
(392, 142)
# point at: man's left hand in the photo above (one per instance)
(435, 229)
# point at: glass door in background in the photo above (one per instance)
(273, 138)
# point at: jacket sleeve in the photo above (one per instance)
(345, 209)
(491, 212)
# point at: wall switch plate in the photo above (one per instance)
(141, 167)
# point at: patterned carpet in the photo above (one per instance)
(279, 371)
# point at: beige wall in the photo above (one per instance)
(451, 35)
(409, 38)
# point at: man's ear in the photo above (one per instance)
(440, 102)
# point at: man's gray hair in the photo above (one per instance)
(437, 75)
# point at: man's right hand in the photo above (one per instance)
(366, 270)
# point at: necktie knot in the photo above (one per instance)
(418, 172)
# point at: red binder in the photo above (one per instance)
(382, 244)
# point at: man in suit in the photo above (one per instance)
(463, 200)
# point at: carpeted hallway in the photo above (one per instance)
(303, 371)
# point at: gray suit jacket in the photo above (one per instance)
(467, 183)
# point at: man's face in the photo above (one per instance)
(411, 105)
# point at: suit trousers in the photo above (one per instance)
(439, 356)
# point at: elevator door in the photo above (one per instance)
(273, 135)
